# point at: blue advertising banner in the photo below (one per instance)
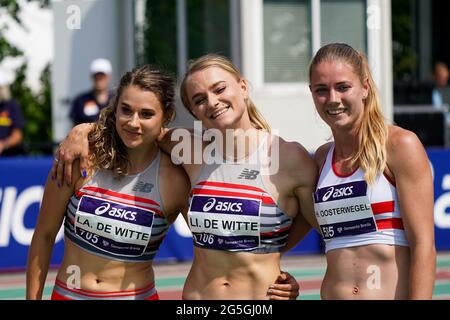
(22, 182)
(440, 161)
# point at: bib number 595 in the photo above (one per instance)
(328, 232)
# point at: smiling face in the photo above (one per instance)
(139, 117)
(217, 99)
(338, 94)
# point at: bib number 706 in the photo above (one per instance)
(205, 238)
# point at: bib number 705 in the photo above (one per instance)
(88, 236)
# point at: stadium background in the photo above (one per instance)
(402, 39)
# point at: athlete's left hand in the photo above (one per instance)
(285, 288)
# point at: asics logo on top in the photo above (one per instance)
(222, 206)
(337, 193)
(248, 174)
(142, 186)
(208, 205)
(102, 209)
(114, 212)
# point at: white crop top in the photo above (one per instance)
(352, 213)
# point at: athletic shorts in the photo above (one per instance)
(62, 292)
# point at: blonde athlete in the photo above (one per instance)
(374, 198)
(254, 208)
(240, 211)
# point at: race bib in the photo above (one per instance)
(110, 226)
(225, 223)
(344, 210)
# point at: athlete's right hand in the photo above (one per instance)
(74, 146)
(286, 287)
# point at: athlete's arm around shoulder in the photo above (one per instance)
(74, 146)
(409, 164)
(184, 146)
(296, 161)
(174, 188)
(51, 215)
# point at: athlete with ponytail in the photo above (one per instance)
(269, 184)
(374, 198)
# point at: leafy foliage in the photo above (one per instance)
(36, 107)
(37, 111)
(160, 44)
(404, 54)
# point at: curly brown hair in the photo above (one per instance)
(107, 151)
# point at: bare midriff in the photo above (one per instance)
(102, 275)
(222, 275)
(375, 271)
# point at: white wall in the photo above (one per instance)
(293, 115)
(289, 107)
(379, 34)
(83, 31)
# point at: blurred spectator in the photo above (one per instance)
(11, 121)
(86, 106)
(440, 94)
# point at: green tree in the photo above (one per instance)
(403, 51)
(37, 110)
(12, 7)
(207, 31)
(36, 107)
(160, 35)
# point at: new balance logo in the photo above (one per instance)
(141, 186)
(248, 174)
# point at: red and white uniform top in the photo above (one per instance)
(352, 213)
(119, 219)
(232, 209)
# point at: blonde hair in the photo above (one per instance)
(371, 153)
(214, 60)
(107, 150)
